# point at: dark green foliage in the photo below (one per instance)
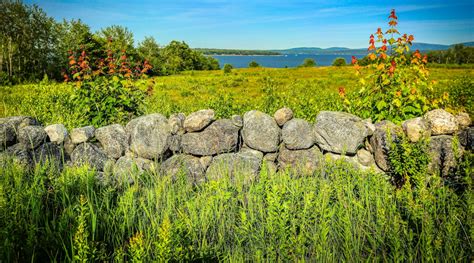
(338, 62)
(217, 51)
(337, 214)
(228, 68)
(408, 161)
(308, 62)
(458, 54)
(254, 64)
(108, 100)
(178, 56)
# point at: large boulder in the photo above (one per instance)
(18, 152)
(176, 122)
(114, 140)
(260, 131)
(32, 136)
(149, 136)
(87, 153)
(302, 161)
(9, 128)
(441, 122)
(244, 166)
(83, 134)
(126, 166)
(466, 138)
(385, 133)
(444, 154)
(49, 153)
(365, 158)
(463, 120)
(57, 133)
(416, 128)
(297, 134)
(198, 120)
(339, 132)
(219, 137)
(194, 167)
(283, 115)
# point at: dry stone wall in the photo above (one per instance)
(204, 147)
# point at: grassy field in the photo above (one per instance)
(337, 214)
(305, 90)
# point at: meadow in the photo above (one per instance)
(336, 214)
(305, 90)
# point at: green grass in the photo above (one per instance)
(337, 214)
(305, 90)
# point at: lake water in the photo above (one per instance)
(279, 61)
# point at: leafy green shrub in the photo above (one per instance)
(408, 161)
(308, 63)
(107, 93)
(228, 68)
(339, 62)
(396, 85)
(254, 64)
(108, 100)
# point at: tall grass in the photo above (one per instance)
(337, 214)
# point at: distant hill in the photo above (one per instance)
(321, 51)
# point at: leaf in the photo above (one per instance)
(381, 104)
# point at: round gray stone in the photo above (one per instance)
(32, 136)
(297, 134)
(149, 136)
(198, 120)
(261, 132)
(57, 133)
(114, 140)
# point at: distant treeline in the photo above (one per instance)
(458, 54)
(216, 51)
(33, 45)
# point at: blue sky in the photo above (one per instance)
(272, 24)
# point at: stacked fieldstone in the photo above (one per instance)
(205, 148)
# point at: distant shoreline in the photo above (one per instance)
(237, 55)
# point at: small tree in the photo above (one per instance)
(338, 62)
(254, 64)
(228, 68)
(396, 82)
(308, 63)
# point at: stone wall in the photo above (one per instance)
(202, 146)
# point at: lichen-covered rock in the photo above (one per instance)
(113, 139)
(175, 143)
(297, 134)
(57, 133)
(441, 122)
(87, 153)
(194, 167)
(416, 128)
(237, 166)
(302, 161)
(255, 153)
(32, 136)
(18, 152)
(339, 132)
(466, 138)
(463, 120)
(370, 126)
(380, 142)
(126, 166)
(219, 137)
(176, 122)
(83, 134)
(237, 120)
(282, 116)
(271, 157)
(49, 153)
(149, 136)
(444, 154)
(260, 131)
(198, 120)
(365, 157)
(68, 145)
(10, 127)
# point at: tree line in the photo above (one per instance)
(457, 54)
(34, 45)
